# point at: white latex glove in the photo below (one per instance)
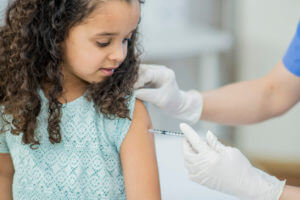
(226, 169)
(157, 85)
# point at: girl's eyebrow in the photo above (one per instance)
(111, 34)
(106, 34)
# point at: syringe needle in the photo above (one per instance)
(164, 132)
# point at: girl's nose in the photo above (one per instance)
(118, 53)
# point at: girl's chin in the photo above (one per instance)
(99, 80)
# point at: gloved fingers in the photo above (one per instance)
(204, 172)
(196, 168)
(189, 154)
(153, 76)
(144, 67)
(202, 162)
(146, 95)
(157, 69)
(192, 161)
(187, 148)
(145, 78)
(139, 84)
(214, 143)
(192, 158)
(193, 138)
(205, 181)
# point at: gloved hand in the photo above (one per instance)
(157, 85)
(226, 169)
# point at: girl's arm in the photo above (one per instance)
(6, 176)
(138, 158)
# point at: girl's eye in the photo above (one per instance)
(105, 44)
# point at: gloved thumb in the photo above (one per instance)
(213, 142)
(193, 138)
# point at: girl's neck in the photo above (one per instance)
(73, 87)
(70, 92)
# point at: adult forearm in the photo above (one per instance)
(290, 193)
(5, 188)
(253, 101)
(238, 103)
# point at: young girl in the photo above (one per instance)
(71, 127)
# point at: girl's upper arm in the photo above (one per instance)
(6, 166)
(138, 158)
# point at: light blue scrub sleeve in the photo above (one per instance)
(291, 59)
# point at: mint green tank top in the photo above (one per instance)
(84, 166)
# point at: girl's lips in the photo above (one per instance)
(107, 72)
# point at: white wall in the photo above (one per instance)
(264, 30)
(3, 5)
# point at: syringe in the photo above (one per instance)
(164, 132)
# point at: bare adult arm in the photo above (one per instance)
(252, 101)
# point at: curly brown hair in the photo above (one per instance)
(31, 56)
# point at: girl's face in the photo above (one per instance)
(98, 45)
